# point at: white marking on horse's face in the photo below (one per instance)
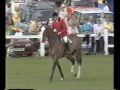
(43, 28)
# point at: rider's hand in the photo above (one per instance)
(55, 30)
(59, 33)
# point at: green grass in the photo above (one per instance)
(34, 72)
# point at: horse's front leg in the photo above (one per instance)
(60, 70)
(53, 67)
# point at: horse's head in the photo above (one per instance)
(48, 33)
(45, 33)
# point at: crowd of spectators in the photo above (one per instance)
(88, 27)
(91, 25)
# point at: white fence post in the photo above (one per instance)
(106, 41)
(42, 49)
(42, 45)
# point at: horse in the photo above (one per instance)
(57, 49)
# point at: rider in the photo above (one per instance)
(60, 27)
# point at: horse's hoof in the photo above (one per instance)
(77, 78)
(72, 68)
(62, 79)
(72, 71)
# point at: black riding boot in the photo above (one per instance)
(67, 46)
(68, 50)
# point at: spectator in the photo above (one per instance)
(26, 2)
(25, 13)
(106, 8)
(73, 25)
(17, 14)
(17, 21)
(91, 21)
(102, 18)
(87, 29)
(8, 13)
(100, 4)
(35, 26)
(109, 25)
(99, 30)
(95, 3)
(58, 2)
(62, 11)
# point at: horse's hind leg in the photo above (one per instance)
(60, 70)
(79, 60)
(69, 57)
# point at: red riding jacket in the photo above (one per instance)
(61, 27)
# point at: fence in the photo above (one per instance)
(42, 46)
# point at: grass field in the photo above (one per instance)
(34, 72)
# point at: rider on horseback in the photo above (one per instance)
(60, 27)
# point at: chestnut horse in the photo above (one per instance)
(57, 49)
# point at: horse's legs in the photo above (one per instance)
(69, 57)
(79, 71)
(55, 60)
(60, 70)
(79, 60)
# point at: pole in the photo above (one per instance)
(106, 41)
(42, 45)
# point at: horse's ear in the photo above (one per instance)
(47, 23)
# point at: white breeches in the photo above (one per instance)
(65, 39)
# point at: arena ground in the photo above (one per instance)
(34, 72)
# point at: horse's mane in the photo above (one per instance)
(52, 36)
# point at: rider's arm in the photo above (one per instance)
(64, 26)
(53, 27)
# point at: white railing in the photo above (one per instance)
(105, 35)
(42, 46)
